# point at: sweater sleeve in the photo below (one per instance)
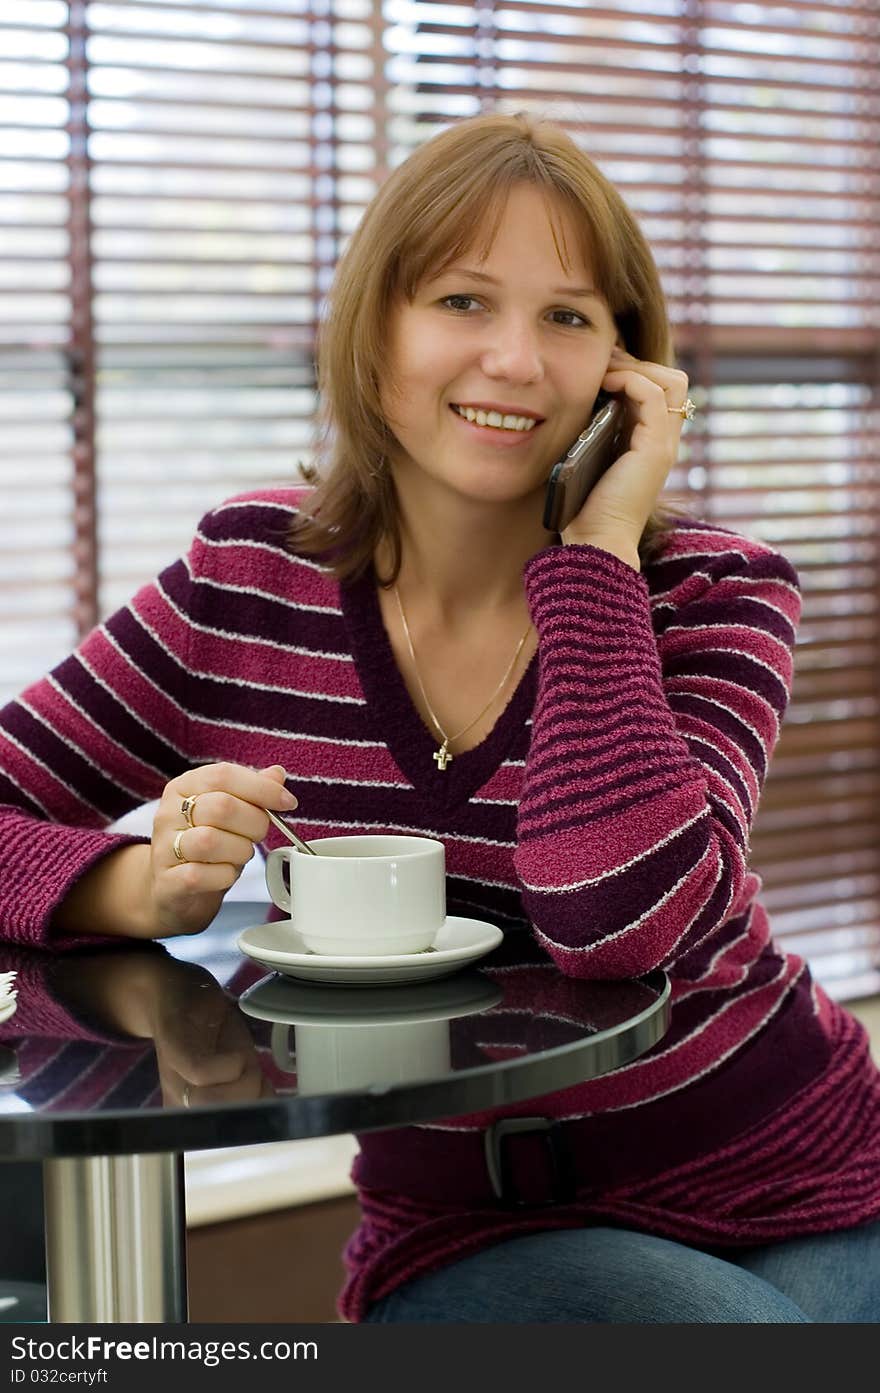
(99, 735)
(651, 740)
(141, 700)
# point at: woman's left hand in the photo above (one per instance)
(618, 507)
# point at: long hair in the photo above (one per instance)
(423, 218)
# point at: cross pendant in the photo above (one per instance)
(442, 757)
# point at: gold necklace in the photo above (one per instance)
(442, 757)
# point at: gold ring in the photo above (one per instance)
(177, 848)
(186, 809)
(687, 411)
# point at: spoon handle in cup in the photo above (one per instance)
(291, 836)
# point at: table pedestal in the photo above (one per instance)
(115, 1238)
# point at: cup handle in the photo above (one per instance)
(275, 878)
(283, 1055)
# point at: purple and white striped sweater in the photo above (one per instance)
(607, 812)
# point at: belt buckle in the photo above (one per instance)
(498, 1165)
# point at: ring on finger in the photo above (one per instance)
(176, 847)
(686, 411)
(186, 809)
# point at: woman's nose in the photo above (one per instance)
(514, 354)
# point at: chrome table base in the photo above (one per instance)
(116, 1239)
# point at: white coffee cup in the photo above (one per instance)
(363, 896)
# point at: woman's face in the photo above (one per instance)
(495, 365)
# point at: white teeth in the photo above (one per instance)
(495, 418)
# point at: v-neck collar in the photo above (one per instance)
(397, 722)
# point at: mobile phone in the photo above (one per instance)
(597, 447)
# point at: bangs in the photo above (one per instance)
(434, 242)
(445, 231)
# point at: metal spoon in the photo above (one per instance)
(291, 836)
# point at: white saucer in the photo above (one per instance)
(279, 947)
(284, 1002)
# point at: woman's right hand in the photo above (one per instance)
(226, 820)
(146, 891)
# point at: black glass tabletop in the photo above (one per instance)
(190, 1044)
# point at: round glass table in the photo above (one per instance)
(117, 1060)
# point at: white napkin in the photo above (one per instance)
(8, 994)
(9, 1074)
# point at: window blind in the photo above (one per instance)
(38, 622)
(176, 182)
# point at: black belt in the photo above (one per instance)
(559, 1177)
(517, 1162)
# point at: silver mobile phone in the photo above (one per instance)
(596, 448)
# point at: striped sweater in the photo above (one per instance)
(606, 814)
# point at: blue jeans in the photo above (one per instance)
(617, 1276)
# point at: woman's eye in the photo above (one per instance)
(466, 304)
(460, 303)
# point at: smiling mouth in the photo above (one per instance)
(478, 417)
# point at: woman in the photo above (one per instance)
(585, 720)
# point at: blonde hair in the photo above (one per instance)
(423, 218)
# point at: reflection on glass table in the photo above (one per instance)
(350, 1040)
